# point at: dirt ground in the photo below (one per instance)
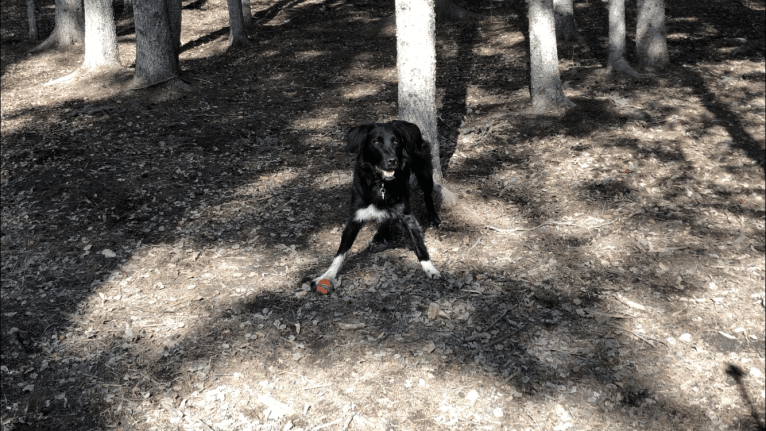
(602, 269)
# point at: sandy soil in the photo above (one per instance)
(603, 267)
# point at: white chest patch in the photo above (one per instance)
(371, 213)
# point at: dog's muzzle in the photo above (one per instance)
(387, 175)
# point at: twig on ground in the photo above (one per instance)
(549, 223)
(477, 336)
(328, 424)
(644, 338)
(532, 417)
(200, 421)
(348, 421)
(507, 336)
(317, 386)
(494, 322)
(630, 303)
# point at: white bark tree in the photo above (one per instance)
(563, 12)
(545, 84)
(237, 34)
(157, 46)
(651, 38)
(416, 70)
(32, 20)
(69, 27)
(100, 36)
(616, 61)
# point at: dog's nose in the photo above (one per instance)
(391, 162)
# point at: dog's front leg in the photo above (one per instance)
(424, 176)
(347, 240)
(416, 237)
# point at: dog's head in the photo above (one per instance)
(385, 146)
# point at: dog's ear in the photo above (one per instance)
(356, 137)
(409, 133)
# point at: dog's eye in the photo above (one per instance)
(377, 143)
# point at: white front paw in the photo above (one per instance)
(430, 269)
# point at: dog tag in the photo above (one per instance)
(383, 192)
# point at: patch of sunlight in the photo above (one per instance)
(489, 51)
(387, 75)
(309, 55)
(315, 122)
(359, 91)
(681, 36)
(271, 182)
(476, 97)
(336, 178)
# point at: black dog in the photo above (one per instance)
(386, 154)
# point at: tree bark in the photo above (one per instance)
(616, 61)
(69, 25)
(100, 36)
(563, 11)
(32, 20)
(651, 43)
(237, 34)
(174, 17)
(247, 13)
(545, 85)
(416, 69)
(156, 47)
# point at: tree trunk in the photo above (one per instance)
(545, 85)
(616, 61)
(156, 49)
(563, 11)
(174, 17)
(127, 7)
(32, 20)
(416, 69)
(651, 42)
(100, 36)
(247, 13)
(237, 34)
(69, 26)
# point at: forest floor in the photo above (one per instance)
(602, 269)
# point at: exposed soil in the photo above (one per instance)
(602, 267)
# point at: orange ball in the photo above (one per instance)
(324, 286)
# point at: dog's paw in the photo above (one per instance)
(434, 220)
(430, 269)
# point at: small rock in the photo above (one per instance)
(429, 347)
(433, 310)
(685, 338)
(497, 412)
(755, 372)
(472, 396)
